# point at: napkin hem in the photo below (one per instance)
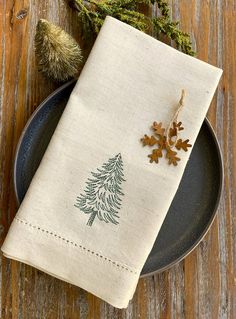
(55, 255)
(91, 252)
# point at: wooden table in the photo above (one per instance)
(201, 286)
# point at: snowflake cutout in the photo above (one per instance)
(159, 139)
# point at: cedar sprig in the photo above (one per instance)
(92, 14)
(163, 7)
(164, 26)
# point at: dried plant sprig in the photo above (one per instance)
(58, 55)
(93, 12)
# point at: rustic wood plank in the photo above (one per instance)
(204, 284)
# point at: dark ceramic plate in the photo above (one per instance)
(193, 208)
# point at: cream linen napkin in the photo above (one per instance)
(96, 204)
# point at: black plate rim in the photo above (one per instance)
(214, 212)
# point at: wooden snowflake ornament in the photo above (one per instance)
(167, 139)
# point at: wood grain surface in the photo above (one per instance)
(201, 286)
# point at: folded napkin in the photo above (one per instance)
(96, 203)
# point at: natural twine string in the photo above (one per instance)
(174, 119)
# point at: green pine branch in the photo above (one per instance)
(92, 14)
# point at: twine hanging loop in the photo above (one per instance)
(174, 119)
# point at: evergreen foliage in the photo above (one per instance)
(92, 14)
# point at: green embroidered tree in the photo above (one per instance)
(102, 194)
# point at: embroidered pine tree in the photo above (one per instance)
(102, 195)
